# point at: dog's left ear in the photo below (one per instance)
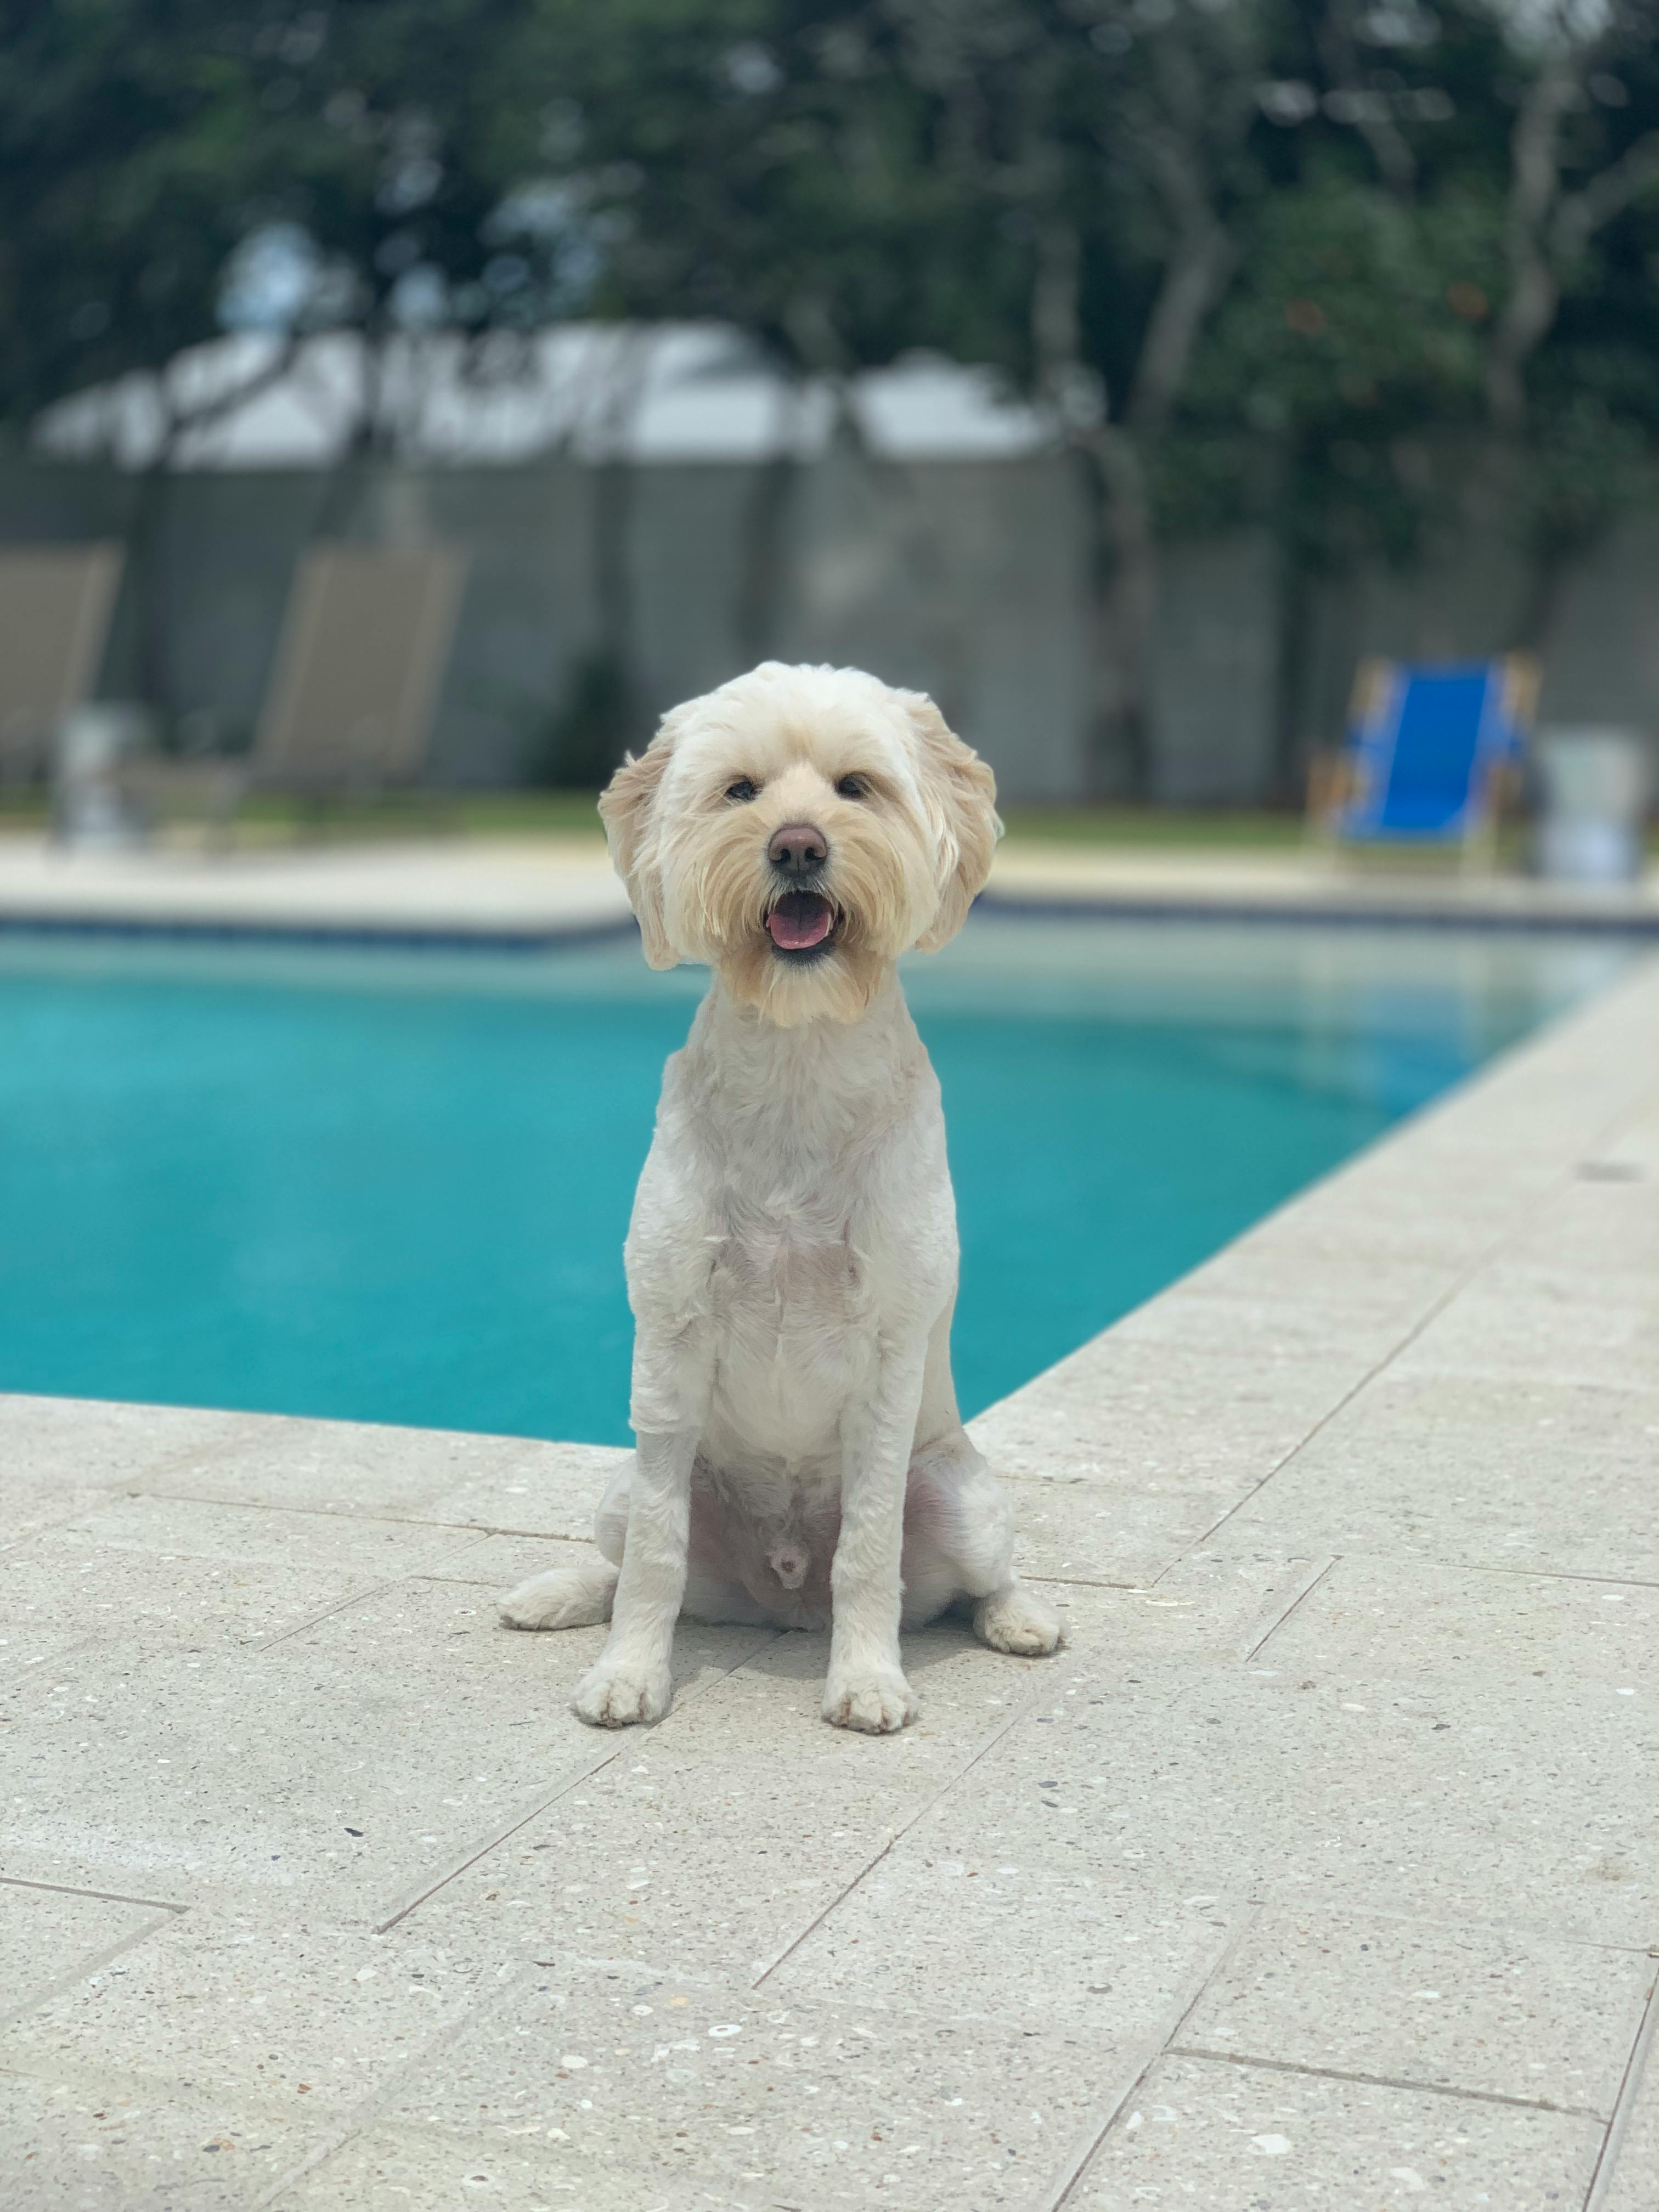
(959, 794)
(627, 807)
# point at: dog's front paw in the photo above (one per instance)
(877, 1702)
(614, 1694)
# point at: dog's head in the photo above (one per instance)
(798, 829)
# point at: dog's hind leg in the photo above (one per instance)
(959, 1549)
(564, 1597)
(577, 1597)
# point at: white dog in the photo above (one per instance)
(791, 1259)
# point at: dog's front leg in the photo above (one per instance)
(865, 1687)
(629, 1680)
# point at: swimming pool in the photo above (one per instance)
(392, 1186)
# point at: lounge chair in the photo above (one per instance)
(1427, 756)
(349, 709)
(55, 605)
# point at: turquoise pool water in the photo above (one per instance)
(393, 1186)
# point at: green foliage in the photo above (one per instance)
(1008, 181)
(1353, 344)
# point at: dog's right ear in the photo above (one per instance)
(628, 809)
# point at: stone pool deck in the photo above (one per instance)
(526, 890)
(1320, 1869)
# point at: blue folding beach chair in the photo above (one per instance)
(1427, 753)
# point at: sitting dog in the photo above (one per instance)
(792, 1258)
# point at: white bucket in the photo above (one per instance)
(1595, 789)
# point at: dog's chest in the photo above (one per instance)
(789, 1294)
(785, 1259)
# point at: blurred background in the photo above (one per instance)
(1121, 373)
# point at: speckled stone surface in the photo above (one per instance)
(1492, 2010)
(1235, 2138)
(1318, 1870)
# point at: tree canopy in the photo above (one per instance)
(1324, 265)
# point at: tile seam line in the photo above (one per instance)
(1624, 2105)
(1088, 2149)
(1493, 1251)
(571, 1781)
(372, 2108)
(1527, 1931)
(1310, 1583)
(345, 1513)
(1244, 2059)
(1545, 1574)
(105, 1896)
(595, 1765)
(85, 1968)
(988, 1745)
(355, 1598)
(14, 1672)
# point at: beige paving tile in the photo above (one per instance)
(1234, 2138)
(553, 1489)
(1397, 1621)
(73, 2144)
(188, 1528)
(423, 2170)
(1455, 2007)
(1501, 1801)
(246, 2007)
(1146, 1413)
(1107, 1532)
(56, 1596)
(44, 1694)
(1222, 1599)
(675, 2079)
(344, 1466)
(1635, 2149)
(712, 1844)
(89, 1443)
(1278, 1307)
(1601, 1230)
(1475, 1470)
(46, 1936)
(1032, 1943)
(1537, 1325)
(27, 1508)
(411, 1717)
(1377, 1210)
(497, 1563)
(62, 1456)
(1635, 1145)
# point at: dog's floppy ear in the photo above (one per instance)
(959, 794)
(628, 809)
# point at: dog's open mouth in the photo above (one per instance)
(802, 925)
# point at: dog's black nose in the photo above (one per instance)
(797, 849)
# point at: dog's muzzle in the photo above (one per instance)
(802, 919)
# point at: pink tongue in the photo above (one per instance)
(798, 921)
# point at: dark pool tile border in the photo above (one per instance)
(346, 936)
(1013, 905)
(1346, 914)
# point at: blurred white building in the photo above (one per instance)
(671, 392)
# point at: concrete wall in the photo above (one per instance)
(966, 579)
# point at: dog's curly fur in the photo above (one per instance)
(791, 1259)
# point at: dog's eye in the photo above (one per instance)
(743, 790)
(852, 787)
